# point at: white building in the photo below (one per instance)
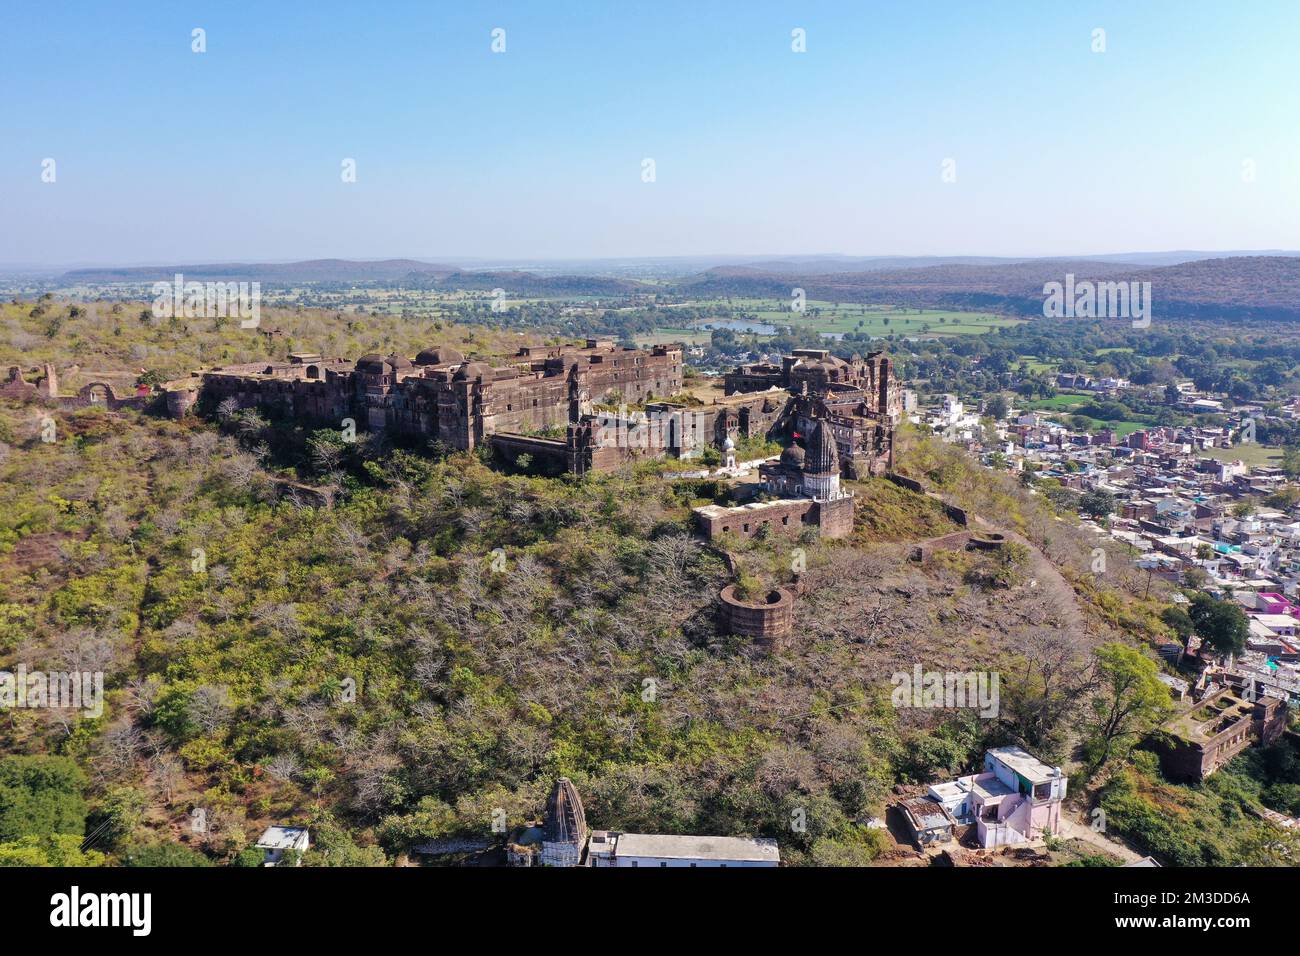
(1283, 625)
(952, 410)
(277, 841)
(663, 850)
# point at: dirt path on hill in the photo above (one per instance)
(1073, 830)
(1044, 574)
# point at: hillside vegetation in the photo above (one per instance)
(449, 637)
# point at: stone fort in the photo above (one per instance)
(553, 403)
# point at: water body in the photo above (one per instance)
(740, 325)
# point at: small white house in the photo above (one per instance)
(277, 841)
(663, 850)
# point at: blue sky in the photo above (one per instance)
(165, 155)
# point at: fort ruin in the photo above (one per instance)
(556, 403)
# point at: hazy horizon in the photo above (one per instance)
(731, 258)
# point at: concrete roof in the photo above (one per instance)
(988, 787)
(1277, 620)
(1025, 764)
(283, 838)
(952, 790)
(673, 847)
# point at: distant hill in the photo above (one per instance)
(404, 273)
(311, 270)
(1253, 286)
(1262, 287)
(525, 283)
(818, 265)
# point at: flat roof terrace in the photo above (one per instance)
(672, 847)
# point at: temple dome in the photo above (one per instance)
(398, 361)
(793, 457)
(372, 362)
(472, 370)
(439, 355)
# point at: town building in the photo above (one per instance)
(1217, 727)
(649, 849)
(928, 821)
(562, 839)
(1016, 799)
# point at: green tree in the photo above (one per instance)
(162, 854)
(1221, 624)
(1176, 619)
(1291, 461)
(1130, 700)
(40, 796)
(52, 849)
(333, 847)
(1097, 504)
(116, 815)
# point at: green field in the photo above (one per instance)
(1122, 429)
(689, 336)
(1061, 407)
(1038, 365)
(1251, 453)
(1058, 403)
(876, 320)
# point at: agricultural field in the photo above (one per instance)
(1250, 453)
(836, 318)
(766, 317)
(689, 336)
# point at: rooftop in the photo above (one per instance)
(1025, 764)
(283, 838)
(952, 790)
(718, 511)
(925, 813)
(672, 847)
(987, 786)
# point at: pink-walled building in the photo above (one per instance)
(1267, 602)
(1014, 800)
